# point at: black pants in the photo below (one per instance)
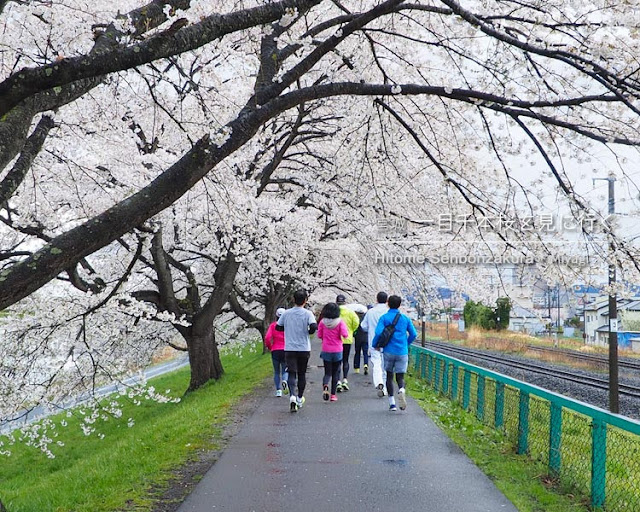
(399, 380)
(331, 373)
(346, 350)
(297, 366)
(362, 347)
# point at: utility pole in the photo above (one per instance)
(613, 311)
(548, 297)
(557, 338)
(558, 308)
(423, 329)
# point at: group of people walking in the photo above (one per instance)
(339, 327)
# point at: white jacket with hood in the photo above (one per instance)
(370, 320)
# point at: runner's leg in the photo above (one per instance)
(302, 361)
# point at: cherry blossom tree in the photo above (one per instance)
(548, 80)
(160, 163)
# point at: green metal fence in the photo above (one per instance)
(594, 452)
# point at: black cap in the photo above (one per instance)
(341, 299)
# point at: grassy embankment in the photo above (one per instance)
(125, 469)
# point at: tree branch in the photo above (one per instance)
(31, 148)
(223, 278)
(163, 271)
(241, 312)
(29, 81)
(15, 125)
(28, 275)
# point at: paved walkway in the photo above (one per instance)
(350, 455)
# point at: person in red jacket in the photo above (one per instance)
(274, 341)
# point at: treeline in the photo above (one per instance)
(486, 317)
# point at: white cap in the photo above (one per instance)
(279, 311)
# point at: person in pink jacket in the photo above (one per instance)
(274, 341)
(332, 331)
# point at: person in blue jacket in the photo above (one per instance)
(396, 353)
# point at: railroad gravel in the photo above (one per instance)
(600, 398)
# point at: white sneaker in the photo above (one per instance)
(300, 402)
(402, 399)
(380, 390)
(293, 404)
(279, 392)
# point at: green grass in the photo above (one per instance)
(518, 477)
(622, 490)
(120, 471)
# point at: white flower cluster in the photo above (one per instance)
(124, 24)
(220, 137)
(44, 433)
(291, 14)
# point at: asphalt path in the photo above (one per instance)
(349, 455)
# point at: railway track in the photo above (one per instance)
(629, 364)
(577, 378)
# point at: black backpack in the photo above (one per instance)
(387, 332)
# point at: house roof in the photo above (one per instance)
(605, 328)
(520, 312)
(602, 307)
(597, 306)
(583, 289)
(634, 305)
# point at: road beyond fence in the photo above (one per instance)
(351, 455)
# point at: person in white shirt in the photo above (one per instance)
(369, 324)
(297, 323)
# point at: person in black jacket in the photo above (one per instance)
(361, 342)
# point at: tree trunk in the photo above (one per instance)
(269, 316)
(204, 356)
(274, 299)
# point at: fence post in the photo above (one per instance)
(555, 439)
(430, 368)
(437, 375)
(466, 389)
(445, 378)
(499, 407)
(598, 463)
(454, 382)
(523, 423)
(480, 400)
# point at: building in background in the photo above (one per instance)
(596, 323)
